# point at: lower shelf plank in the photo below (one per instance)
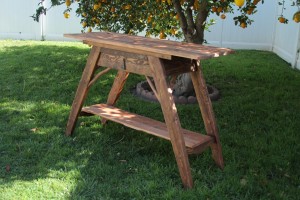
(195, 142)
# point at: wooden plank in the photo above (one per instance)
(82, 88)
(138, 64)
(116, 89)
(207, 113)
(126, 49)
(148, 46)
(192, 139)
(172, 120)
(124, 54)
(133, 63)
(97, 76)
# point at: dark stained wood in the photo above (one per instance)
(148, 46)
(192, 140)
(177, 66)
(207, 113)
(172, 120)
(83, 88)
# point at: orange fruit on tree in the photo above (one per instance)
(162, 35)
(97, 21)
(223, 16)
(255, 2)
(68, 3)
(250, 10)
(213, 9)
(149, 19)
(66, 15)
(173, 31)
(296, 17)
(219, 9)
(84, 24)
(281, 19)
(239, 3)
(127, 7)
(243, 25)
(97, 6)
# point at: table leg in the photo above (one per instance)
(207, 112)
(116, 89)
(171, 120)
(83, 88)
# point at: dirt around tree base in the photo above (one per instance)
(143, 91)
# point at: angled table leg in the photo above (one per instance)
(116, 89)
(83, 88)
(171, 120)
(207, 112)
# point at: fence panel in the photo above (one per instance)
(264, 34)
(55, 25)
(15, 20)
(287, 38)
(259, 35)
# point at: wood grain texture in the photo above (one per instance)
(133, 63)
(116, 89)
(157, 59)
(138, 64)
(207, 113)
(148, 46)
(83, 88)
(192, 139)
(97, 76)
(171, 120)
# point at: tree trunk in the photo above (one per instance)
(193, 30)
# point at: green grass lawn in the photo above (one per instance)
(258, 117)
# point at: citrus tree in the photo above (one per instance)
(185, 19)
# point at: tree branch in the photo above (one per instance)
(201, 21)
(182, 18)
(189, 16)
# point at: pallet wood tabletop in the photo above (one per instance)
(149, 46)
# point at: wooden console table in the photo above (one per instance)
(155, 59)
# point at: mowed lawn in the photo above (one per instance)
(258, 117)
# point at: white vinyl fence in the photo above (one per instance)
(266, 33)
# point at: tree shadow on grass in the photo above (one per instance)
(259, 139)
(38, 84)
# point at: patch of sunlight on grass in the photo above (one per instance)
(42, 188)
